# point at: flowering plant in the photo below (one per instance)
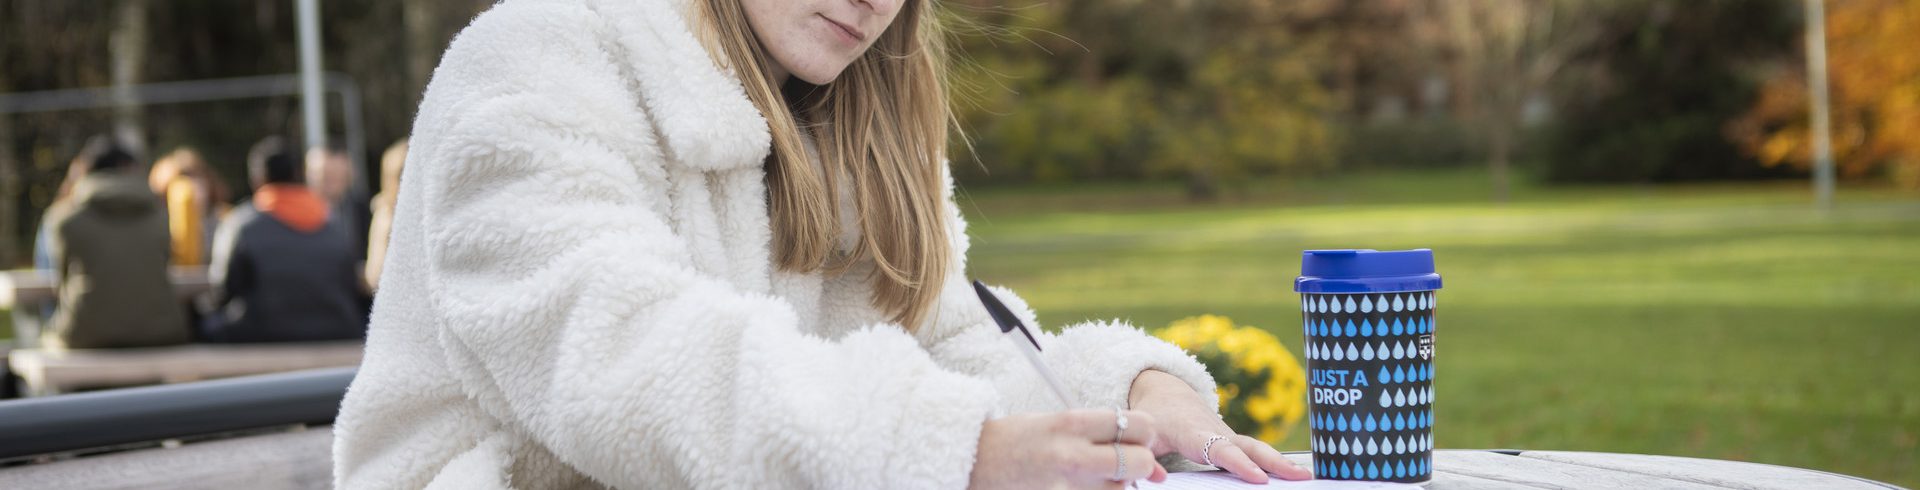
(1262, 386)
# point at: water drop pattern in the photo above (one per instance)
(1382, 346)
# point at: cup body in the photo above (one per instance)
(1370, 353)
(1370, 390)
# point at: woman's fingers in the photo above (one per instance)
(1229, 457)
(1100, 426)
(1270, 459)
(1098, 464)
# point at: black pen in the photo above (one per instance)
(1030, 346)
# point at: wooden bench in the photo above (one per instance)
(54, 372)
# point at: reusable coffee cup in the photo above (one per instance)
(1369, 348)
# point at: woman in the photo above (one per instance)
(196, 200)
(391, 163)
(623, 257)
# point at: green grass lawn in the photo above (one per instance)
(1721, 321)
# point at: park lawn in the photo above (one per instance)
(1717, 321)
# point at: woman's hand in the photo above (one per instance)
(1073, 449)
(1186, 424)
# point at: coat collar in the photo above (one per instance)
(699, 108)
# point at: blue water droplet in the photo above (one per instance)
(1399, 375)
(1355, 422)
(1384, 375)
(1342, 425)
(1367, 353)
(1346, 471)
(1351, 330)
(1397, 327)
(1366, 328)
(1400, 470)
(1350, 307)
(1371, 426)
(1372, 471)
(1366, 304)
(1399, 351)
(1399, 422)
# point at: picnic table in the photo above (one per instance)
(54, 372)
(25, 291)
(1517, 469)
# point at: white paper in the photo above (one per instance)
(1221, 480)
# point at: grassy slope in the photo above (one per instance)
(1712, 321)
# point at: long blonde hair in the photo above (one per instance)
(883, 123)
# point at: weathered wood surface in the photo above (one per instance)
(49, 372)
(1463, 469)
(281, 461)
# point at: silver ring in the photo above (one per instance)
(1206, 451)
(1120, 463)
(1119, 423)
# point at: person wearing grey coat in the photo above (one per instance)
(108, 245)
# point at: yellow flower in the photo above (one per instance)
(1249, 361)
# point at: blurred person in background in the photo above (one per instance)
(331, 173)
(283, 269)
(109, 247)
(196, 199)
(391, 163)
(42, 239)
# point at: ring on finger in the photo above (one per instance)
(1119, 423)
(1119, 463)
(1206, 451)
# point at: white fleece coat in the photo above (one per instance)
(579, 293)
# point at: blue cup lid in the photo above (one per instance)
(1366, 271)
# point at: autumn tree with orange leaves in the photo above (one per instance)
(1874, 74)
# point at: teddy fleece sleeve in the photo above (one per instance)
(1096, 360)
(569, 311)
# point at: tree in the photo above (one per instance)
(1208, 92)
(1648, 101)
(1503, 53)
(1875, 80)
